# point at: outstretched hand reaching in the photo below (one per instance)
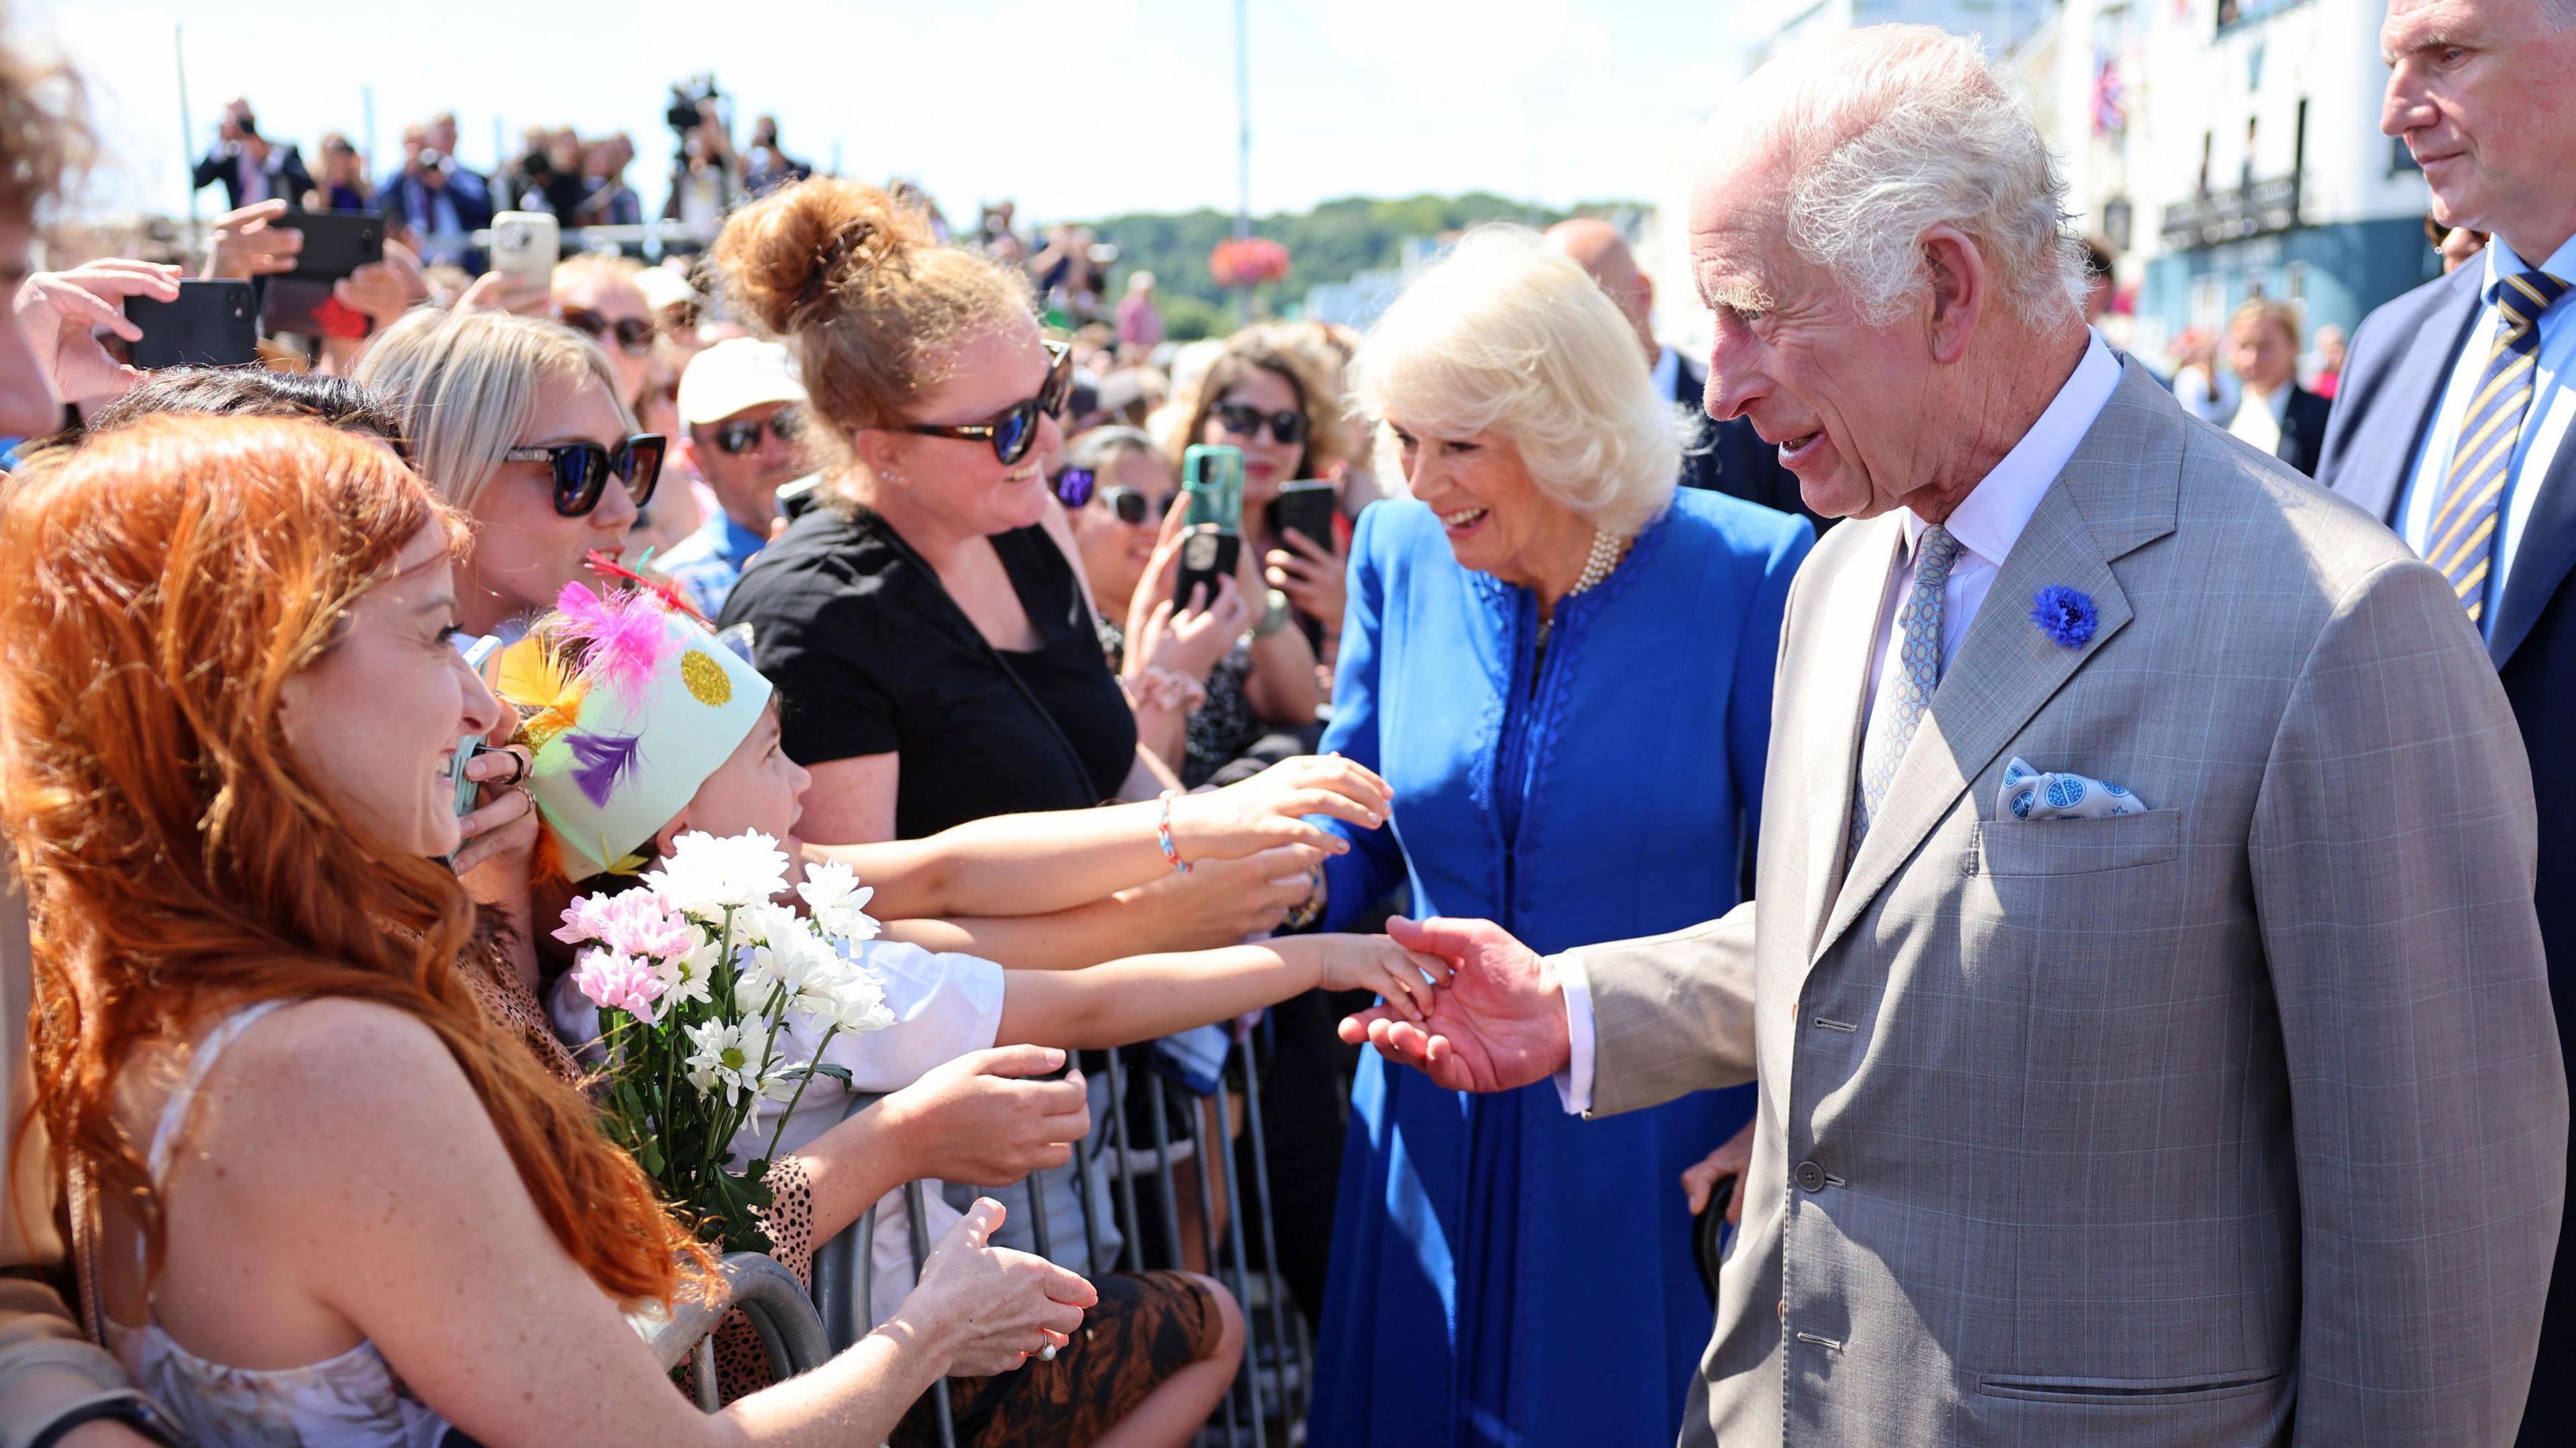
(1498, 1023)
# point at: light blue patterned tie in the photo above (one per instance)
(2461, 541)
(1900, 709)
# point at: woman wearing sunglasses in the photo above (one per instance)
(1187, 680)
(517, 422)
(1279, 398)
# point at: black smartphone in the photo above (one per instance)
(210, 324)
(1709, 1232)
(336, 243)
(1305, 507)
(1212, 492)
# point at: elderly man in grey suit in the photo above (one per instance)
(2143, 981)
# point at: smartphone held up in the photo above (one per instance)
(1212, 545)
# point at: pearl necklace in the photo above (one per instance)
(1607, 550)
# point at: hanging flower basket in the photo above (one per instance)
(1247, 261)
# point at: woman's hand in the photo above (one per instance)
(502, 830)
(1271, 808)
(1186, 641)
(989, 1308)
(980, 1119)
(1222, 901)
(384, 290)
(500, 292)
(60, 312)
(1731, 1160)
(1373, 963)
(248, 243)
(1315, 578)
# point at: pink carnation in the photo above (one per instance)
(616, 982)
(631, 922)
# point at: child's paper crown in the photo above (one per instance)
(628, 704)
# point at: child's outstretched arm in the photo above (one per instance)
(1146, 996)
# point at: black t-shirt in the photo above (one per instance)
(871, 655)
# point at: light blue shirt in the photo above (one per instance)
(2544, 426)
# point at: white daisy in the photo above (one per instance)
(705, 876)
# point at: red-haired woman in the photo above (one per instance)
(338, 1208)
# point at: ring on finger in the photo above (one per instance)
(1046, 1354)
(518, 768)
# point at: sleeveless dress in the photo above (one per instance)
(353, 1400)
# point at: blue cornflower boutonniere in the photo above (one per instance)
(2066, 615)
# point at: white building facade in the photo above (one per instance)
(2231, 148)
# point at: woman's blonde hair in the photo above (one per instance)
(465, 385)
(2268, 309)
(873, 305)
(1502, 335)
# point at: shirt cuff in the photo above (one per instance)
(1574, 1083)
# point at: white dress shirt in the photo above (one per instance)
(1987, 523)
(1667, 373)
(2544, 425)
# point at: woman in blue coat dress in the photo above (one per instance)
(1565, 671)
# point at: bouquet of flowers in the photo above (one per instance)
(695, 975)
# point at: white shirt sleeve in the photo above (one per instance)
(1574, 1083)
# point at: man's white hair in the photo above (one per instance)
(1892, 130)
(1504, 334)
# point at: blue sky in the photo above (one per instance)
(1074, 109)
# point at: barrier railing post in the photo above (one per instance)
(1199, 1148)
(1131, 1252)
(912, 1206)
(1286, 1342)
(1251, 1373)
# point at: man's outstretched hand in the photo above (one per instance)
(1497, 1024)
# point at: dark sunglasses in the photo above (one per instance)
(736, 438)
(1073, 486)
(634, 334)
(1135, 509)
(1242, 419)
(581, 470)
(1014, 429)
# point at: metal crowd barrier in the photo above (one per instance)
(769, 1295)
(1269, 1393)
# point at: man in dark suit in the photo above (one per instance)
(1723, 457)
(2273, 411)
(2452, 422)
(251, 167)
(437, 201)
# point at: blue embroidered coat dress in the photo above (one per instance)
(1502, 1272)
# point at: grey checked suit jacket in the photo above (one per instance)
(2240, 1121)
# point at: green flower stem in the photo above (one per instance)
(801, 1083)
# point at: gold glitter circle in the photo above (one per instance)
(706, 680)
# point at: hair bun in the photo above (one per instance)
(797, 251)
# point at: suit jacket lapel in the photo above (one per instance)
(1833, 697)
(2541, 563)
(2416, 382)
(2118, 493)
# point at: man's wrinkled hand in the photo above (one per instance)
(1499, 1023)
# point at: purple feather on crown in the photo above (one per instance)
(600, 760)
(626, 634)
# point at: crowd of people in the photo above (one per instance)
(2151, 1033)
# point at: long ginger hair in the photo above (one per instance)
(180, 861)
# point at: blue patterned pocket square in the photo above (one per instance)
(2030, 795)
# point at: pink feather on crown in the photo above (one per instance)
(626, 634)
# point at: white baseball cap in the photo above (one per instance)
(733, 375)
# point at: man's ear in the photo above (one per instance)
(1960, 288)
(684, 450)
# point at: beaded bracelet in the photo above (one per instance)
(1163, 836)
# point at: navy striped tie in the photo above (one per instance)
(2461, 541)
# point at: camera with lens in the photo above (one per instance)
(686, 98)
